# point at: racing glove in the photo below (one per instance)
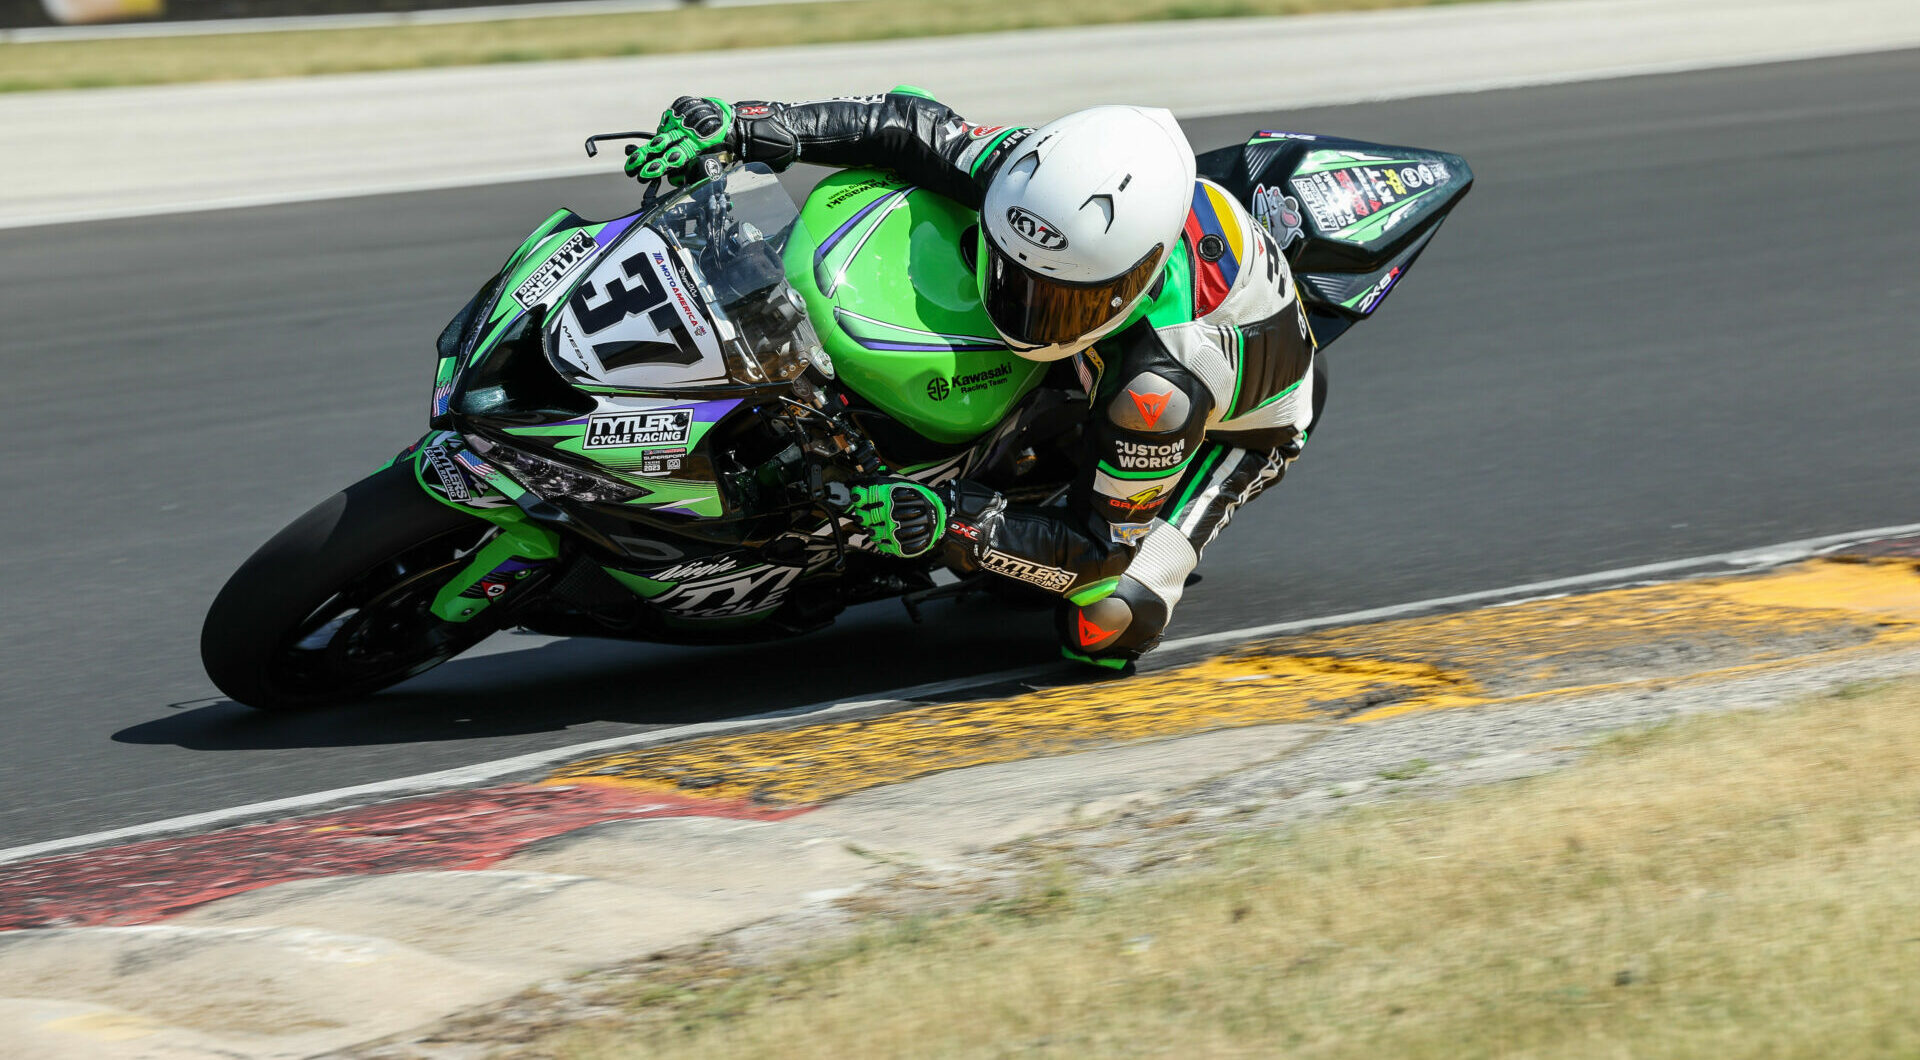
(902, 519)
(693, 126)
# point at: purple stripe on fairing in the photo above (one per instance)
(923, 347)
(712, 411)
(703, 412)
(826, 246)
(613, 230)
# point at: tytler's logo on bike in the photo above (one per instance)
(620, 430)
(562, 263)
(452, 482)
(1035, 229)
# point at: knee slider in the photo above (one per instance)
(1127, 623)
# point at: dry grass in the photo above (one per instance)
(1744, 885)
(89, 64)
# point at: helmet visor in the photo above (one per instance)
(1032, 309)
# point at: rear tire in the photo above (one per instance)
(334, 607)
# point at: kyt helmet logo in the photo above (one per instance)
(1035, 229)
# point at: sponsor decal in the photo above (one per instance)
(966, 530)
(1279, 212)
(841, 99)
(1363, 205)
(570, 350)
(561, 264)
(1339, 198)
(452, 482)
(1269, 134)
(1333, 206)
(729, 595)
(1150, 406)
(1128, 533)
(495, 583)
(695, 322)
(1144, 501)
(862, 187)
(662, 461)
(1091, 634)
(1052, 579)
(623, 430)
(1145, 456)
(1378, 291)
(757, 110)
(981, 132)
(938, 389)
(1035, 229)
(694, 569)
(981, 380)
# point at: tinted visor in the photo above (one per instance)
(1037, 310)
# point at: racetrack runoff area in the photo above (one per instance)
(381, 918)
(98, 153)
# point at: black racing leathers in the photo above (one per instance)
(1197, 406)
(918, 138)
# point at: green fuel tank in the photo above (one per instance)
(878, 261)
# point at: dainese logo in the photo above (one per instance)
(1035, 229)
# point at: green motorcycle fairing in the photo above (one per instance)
(895, 304)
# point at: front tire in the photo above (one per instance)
(335, 606)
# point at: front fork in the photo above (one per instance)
(455, 476)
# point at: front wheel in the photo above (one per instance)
(335, 606)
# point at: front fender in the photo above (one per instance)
(452, 474)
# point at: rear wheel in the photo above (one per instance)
(335, 606)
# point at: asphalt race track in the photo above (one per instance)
(1675, 317)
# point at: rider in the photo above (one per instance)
(1096, 243)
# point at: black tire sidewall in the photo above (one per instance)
(304, 565)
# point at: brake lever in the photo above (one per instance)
(593, 142)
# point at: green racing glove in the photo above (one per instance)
(692, 127)
(902, 519)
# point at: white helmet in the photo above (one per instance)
(1077, 224)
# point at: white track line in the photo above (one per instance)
(1742, 560)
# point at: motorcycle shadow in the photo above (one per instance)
(524, 685)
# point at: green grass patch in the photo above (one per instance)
(92, 64)
(1739, 885)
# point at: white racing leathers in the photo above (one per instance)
(1198, 405)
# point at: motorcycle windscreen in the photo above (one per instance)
(637, 322)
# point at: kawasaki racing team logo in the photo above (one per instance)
(620, 430)
(1035, 229)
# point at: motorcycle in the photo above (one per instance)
(643, 428)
